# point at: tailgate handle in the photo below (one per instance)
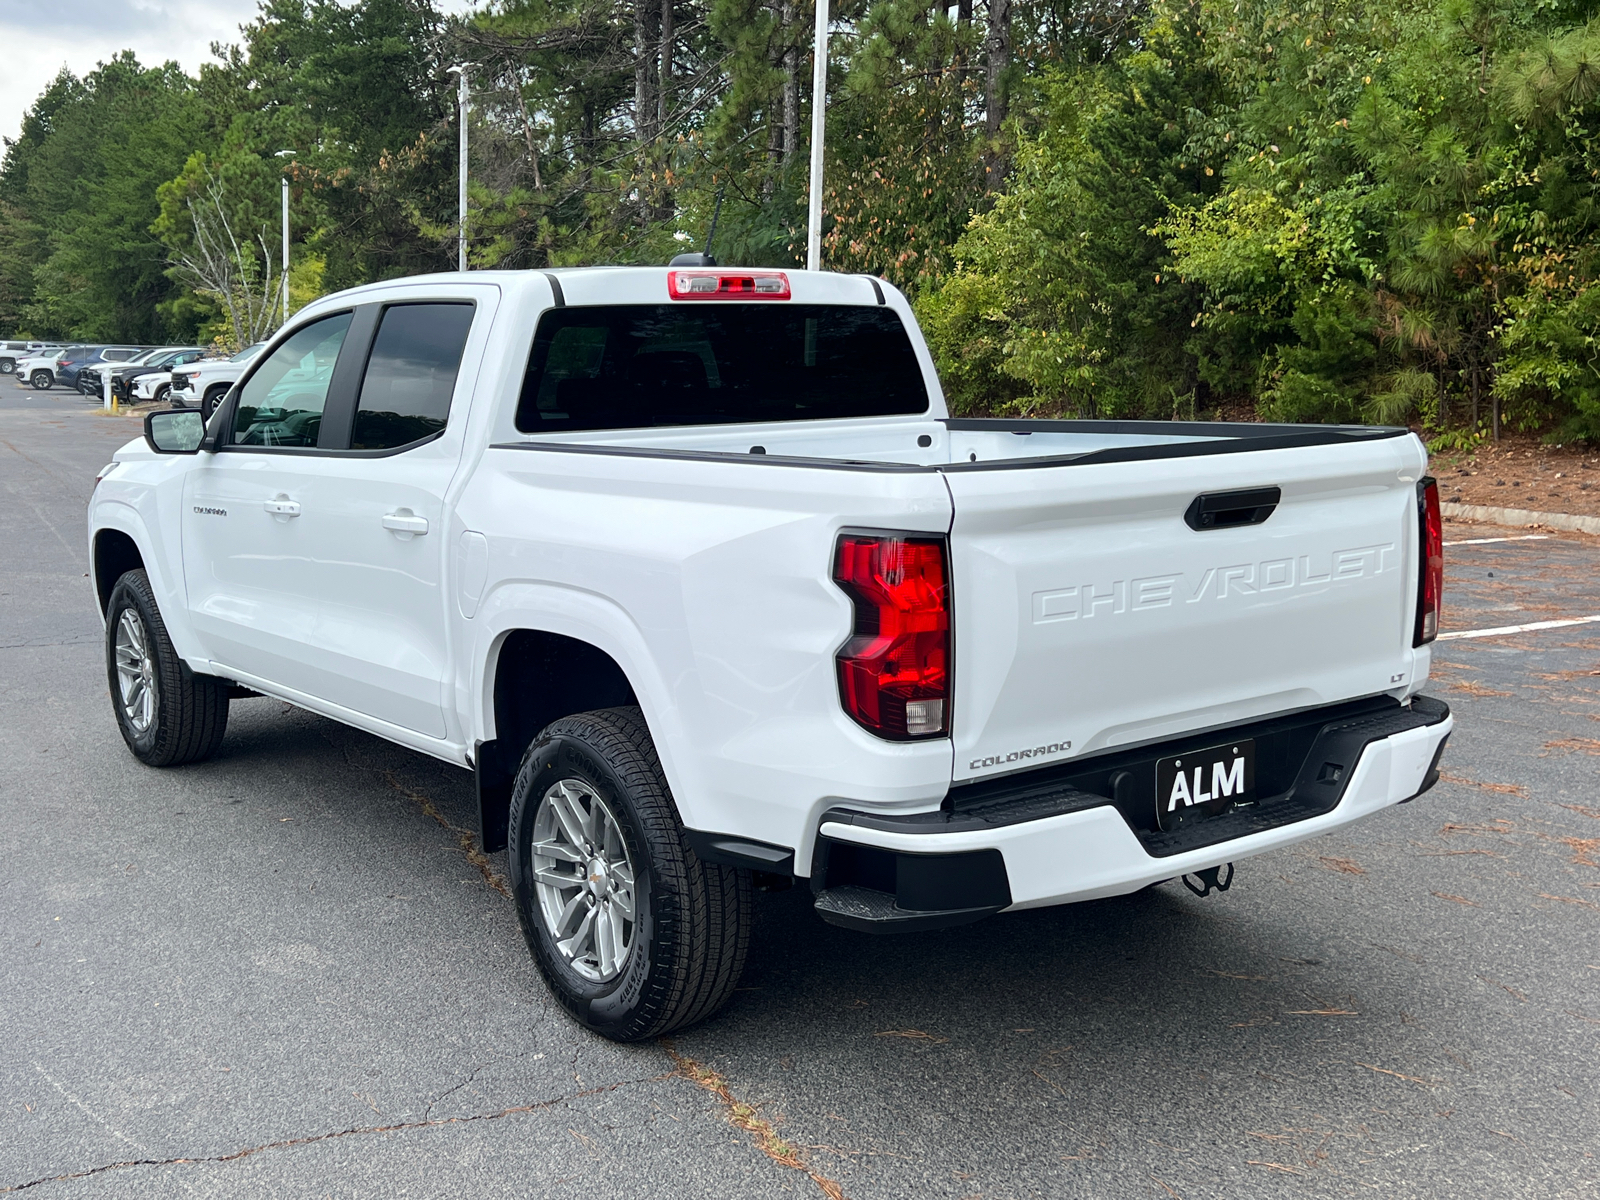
(1227, 510)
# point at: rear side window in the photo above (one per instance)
(640, 365)
(281, 403)
(411, 374)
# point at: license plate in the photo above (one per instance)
(1204, 783)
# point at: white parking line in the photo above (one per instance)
(1505, 629)
(1526, 537)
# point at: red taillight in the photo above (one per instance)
(1430, 587)
(727, 285)
(894, 672)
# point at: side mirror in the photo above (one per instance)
(175, 431)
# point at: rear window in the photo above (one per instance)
(411, 374)
(638, 365)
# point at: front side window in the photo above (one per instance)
(281, 403)
(411, 375)
(640, 365)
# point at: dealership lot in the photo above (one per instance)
(285, 967)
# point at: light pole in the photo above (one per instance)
(285, 280)
(819, 117)
(460, 72)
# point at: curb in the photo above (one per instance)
(1520, 516)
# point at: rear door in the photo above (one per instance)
(1090, 615)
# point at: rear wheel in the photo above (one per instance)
(7, 365)
(168, 714)
(634, 935)
(42, 380)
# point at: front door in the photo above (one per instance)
(315, 541)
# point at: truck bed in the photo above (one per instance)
(1090, 613)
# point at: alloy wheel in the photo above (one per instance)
(136, 672)
(585, 880)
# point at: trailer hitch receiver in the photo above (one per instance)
(1211, 880)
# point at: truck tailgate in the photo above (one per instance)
(1090, 615)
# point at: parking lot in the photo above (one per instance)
(287, 972)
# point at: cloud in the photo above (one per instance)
(96, 18)
(38, 40)
(78, 34)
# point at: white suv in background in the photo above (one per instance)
(38, 367)
(10, 352)
(205, 383)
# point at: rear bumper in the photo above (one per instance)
(1057, 844)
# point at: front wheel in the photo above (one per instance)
(42, 380)
(634, 934)
(162, 393)
(167, 713)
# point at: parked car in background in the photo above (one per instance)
(12, 353)
(73, 360)
(39, 367)
(91, 381)
(155, 384)
(205, 383)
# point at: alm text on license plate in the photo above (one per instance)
(1204, 783)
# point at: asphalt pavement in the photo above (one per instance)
(287, 972)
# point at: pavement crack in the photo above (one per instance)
(442, 1097)
(331, 1135)
(748, 1118)
(465, 838)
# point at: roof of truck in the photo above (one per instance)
(632, 285)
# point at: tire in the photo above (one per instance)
(213, 398)
(7, 366)
(162, 392)
(177, 716)
(691, 927)
(42, 380)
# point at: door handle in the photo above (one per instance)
(282, 506)
(403, 520)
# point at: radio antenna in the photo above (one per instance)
(712, 232)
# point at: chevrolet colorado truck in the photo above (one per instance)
(694, 571)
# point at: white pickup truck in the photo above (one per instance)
(694, 571)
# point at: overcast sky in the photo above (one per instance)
(39, 38)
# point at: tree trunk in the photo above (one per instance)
(646, 103)
(646, 26)
(997, 63)
(791, 83)
(664, 87)
(527, 133)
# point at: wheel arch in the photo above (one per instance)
(121, 540)
(569, 653)
(115, 554)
